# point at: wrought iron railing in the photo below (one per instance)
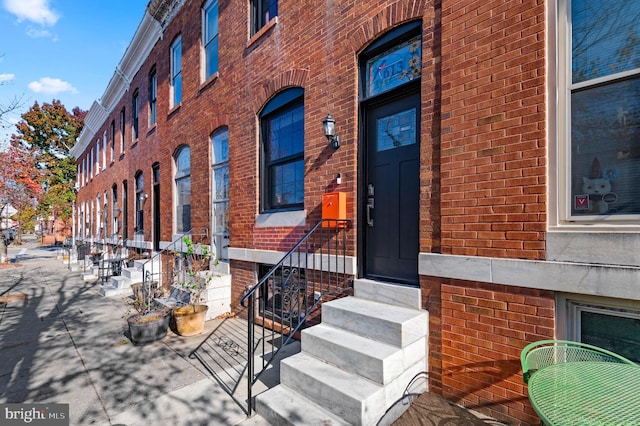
(286, 296)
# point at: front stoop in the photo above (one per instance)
(356, 364)
(121, 284)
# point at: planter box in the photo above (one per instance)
(148, 328)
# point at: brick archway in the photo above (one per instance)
(288, 78)
(397, 13)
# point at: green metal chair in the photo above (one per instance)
(540, 354)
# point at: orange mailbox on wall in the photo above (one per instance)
(334, 206)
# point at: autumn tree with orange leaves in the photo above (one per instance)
(40, 151)
(20, 185)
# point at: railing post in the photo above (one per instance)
(250, 355)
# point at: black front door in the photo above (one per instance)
(391, 192)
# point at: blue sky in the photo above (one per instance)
(61, 49)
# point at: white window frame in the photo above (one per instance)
(104, 150)
(220, 240)
(139, 201)
(570, 306)
(97, 157)
(123, 127)
(135, 116)
(206, 10)
(112, 128)
(175, 71)
(176, 179)
(153, 96)
(560, 87)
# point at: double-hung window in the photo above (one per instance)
(599, 77)
(123, 127)
(176, 72)
(210, 38)
(220, 192)
(134, 116)
(140, 198)
(104, 150)
(153, 93)
(262, 11)
(282, 136)
(113, 139)
(183, 190)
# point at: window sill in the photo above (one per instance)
(208, 82)
(288, 219)
(262, 31)
(152, 129)
(174, 110)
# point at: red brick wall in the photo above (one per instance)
(251, 72)
(482, 156)
(493, 128)
(477, 332)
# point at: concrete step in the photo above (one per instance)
(356, 400)
(133, 274)
(395, 325)
(282, 406)
(120, 282)
(391, 293)
(376, 361)
(111, 291)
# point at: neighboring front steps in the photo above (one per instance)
(356, 364)
(121, 284)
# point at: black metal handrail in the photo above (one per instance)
(286, 295)
(166, 272)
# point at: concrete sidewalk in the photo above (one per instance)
(64, 343)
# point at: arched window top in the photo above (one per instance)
(183, 162)
(220, 141)
(281, 99)
(392, 60)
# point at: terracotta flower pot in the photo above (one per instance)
(148, 328)
(189, 320)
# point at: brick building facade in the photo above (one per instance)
(504, 255)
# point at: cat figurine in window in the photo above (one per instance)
(596, 188)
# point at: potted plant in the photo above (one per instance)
(194, 276)
(149, 323)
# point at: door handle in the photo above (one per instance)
(369, 208)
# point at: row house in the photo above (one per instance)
(485, 153)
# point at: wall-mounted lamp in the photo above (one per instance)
(143, 196)
(329, 125)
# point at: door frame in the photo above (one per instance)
(384, 42)
(362, 173)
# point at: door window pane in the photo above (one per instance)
(396, 130)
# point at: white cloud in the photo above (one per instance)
(6, 77)
(51, 86)
(36, 33)
(37, 11)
